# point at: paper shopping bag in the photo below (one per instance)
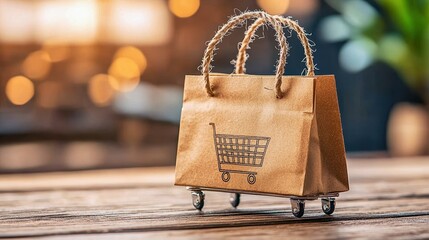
(274, 135)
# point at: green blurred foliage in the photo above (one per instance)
(400, 28)
(410, 20)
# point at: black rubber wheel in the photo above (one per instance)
(299, 212)
(226, 176)
(328, 206)
(251, 178)
(234, 199)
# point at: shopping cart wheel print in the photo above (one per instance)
(198, 199)
(298, 206)
(226, 176)
(251, 178)
(328, 205)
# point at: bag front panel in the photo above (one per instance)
(244, 138)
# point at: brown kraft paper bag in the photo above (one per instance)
(273, 135)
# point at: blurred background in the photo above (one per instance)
(88, 84)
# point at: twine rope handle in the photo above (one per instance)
(249, 36)
(233, 23)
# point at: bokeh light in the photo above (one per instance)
(184, 8)
(134, 54)
(19, 90)
(359, 13)
(125, 73)
(16, 21)
(303, 8)
(37, 65)
(66, 21)
(86, 21)
(140, 22)
(100, 91)
(275, 7)
(334, 28)
(357, 54)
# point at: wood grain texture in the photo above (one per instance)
(388, 199)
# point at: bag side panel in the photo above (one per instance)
(334, 175)
(313, 178)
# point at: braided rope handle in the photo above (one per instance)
(230, 25)
(249, 35)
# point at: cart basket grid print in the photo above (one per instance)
(239, 150)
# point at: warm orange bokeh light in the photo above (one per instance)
(125, 73)
(134, 54)
(19, 90)
(275, 7)
(37, 65)
(100, 91)
(184, 8)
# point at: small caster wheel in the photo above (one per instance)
(251, 178)
(298, 206)
(226, 176)
(198, 199)
(328, 205)
(234, 199)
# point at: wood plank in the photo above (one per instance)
(114, 219)
(135, 203)
(92, 179)
(395, 228)
(359, 170)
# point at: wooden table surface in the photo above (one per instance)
(389, 198)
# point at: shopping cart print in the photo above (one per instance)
(239, 154)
